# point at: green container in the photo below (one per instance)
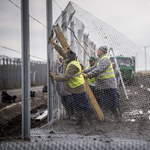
(127, 67)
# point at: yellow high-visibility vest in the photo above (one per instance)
(92, 79)
(77, 79)
(109, 72)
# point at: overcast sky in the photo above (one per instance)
(130, 17)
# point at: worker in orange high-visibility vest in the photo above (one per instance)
(73, 83)
(105, 81)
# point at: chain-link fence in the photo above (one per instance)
(125, 106)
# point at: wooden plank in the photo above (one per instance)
(93, 102)
(61, 37)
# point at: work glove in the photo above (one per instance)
(52, 41)
(85, 75)
(51, 74)
(58, 56)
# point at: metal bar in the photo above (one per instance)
(50, 53)
(119, 72)
(25, 69)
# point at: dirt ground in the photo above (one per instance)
(135, 124)
(12, 130)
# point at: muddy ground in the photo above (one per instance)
(12, 130)
(135, 124)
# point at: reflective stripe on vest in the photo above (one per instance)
(78, 80)
(92, 80)
(108, 73)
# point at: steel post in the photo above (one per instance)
(50, 54)
(25, 69)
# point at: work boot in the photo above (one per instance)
(68, 115)
(79, 118)
(116, 115)
(88, 116)
(71, 113)
(120, 112)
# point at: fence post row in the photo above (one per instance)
(10, 73)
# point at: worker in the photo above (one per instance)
(91, 82)
(105, 81)
(73, 83)
(65, 96)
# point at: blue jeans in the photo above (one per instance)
(107, 97)
(80, 102)
(66, 101)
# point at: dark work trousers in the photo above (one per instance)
(92, 88)
(80, 102)
(107, 98)
(66, 101)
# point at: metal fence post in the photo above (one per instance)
(25, 69)
(50, 53)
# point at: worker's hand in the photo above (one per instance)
(58, 56)
(51, 41)
(53, 77)
(51, 74)
(82, 71)
(85, 75)
(56, 72)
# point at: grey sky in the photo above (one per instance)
(130, 17)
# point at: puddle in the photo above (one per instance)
(148, 89)
(136, 112)
(141, 85)
(130, 120)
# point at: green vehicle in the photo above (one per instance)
(127, 68)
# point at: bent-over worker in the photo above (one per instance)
(73, 83)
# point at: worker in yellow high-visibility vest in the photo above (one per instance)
(91, 82)
(105, 81)
(73, 83)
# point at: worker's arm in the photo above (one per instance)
(102, 66)
(60, 50)
(91, 68)
(72, 70)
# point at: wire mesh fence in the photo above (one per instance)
(101, 87)
(123, 98)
